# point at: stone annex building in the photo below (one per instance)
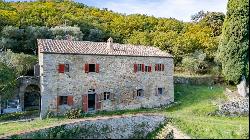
(96, 76)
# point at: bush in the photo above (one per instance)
(73, 113)
(195, 63)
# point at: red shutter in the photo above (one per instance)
(86, 68)
(135, 67)
(162, 67)
(85, 103)
(156, 67)
(143, 67)
(98, 102)
(150, 68)
(97, 68)
(70, 100)
(61, 68)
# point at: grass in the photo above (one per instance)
(190, 114)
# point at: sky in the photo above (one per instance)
(179, 9)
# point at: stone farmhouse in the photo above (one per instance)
(95, 76)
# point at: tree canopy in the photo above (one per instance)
(233, 51)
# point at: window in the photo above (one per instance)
(139, 67)
(147, 68)
(159, 67)
(91, 67)
(63, 68)
(160, 91)
(106, 95)
(139, 93)
(66, 69)
(63, 100)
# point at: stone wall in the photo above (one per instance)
(116, 75)
(197, 80)
(126, 127)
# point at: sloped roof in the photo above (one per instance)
(99, 48)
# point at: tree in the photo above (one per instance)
(234, 45)
(31, 35)
(7, 81)
(67, 32)
(95, 35)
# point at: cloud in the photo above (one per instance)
(179, 9)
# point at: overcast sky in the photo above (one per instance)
(179, 9)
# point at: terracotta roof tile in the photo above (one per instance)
(101, 48)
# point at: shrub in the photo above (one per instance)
(73, 113)
(195, 62)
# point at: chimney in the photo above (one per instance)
(110, 43)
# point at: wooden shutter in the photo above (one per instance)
(102, 96)
(143, 67)
(162, 67)
(85, 103)
(98, 101)
(112, 96)
(156, 91)
(86, 68)
(150, 68)
(61, 68)
(156, 67)
(97, 68)
(70, 100)
(134, 94)
(135, 67)
(58, 101)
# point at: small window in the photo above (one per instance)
(91, 67)
(139, 92)
(66, 69)
(147, 68)
(160, 91)
(159, 67)
(139, 67)
(63, 100)
(106, 95)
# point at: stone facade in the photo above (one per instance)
(116, 75)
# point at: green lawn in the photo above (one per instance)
(190, 115)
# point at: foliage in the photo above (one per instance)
(18, 115)
(233, 52)
(168, 34)
(67, 32)
(19, 62)
(7, 81)
(195, 62)
(73, 113)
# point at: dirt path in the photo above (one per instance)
(177, 134)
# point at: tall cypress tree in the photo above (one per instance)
(234, 45)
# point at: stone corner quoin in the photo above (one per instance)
(93, 82)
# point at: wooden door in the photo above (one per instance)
(85, 103)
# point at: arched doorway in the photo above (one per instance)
(32, 98)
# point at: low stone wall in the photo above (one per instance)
(197, 80)
(108, 128)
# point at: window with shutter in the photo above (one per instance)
(61, 68)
